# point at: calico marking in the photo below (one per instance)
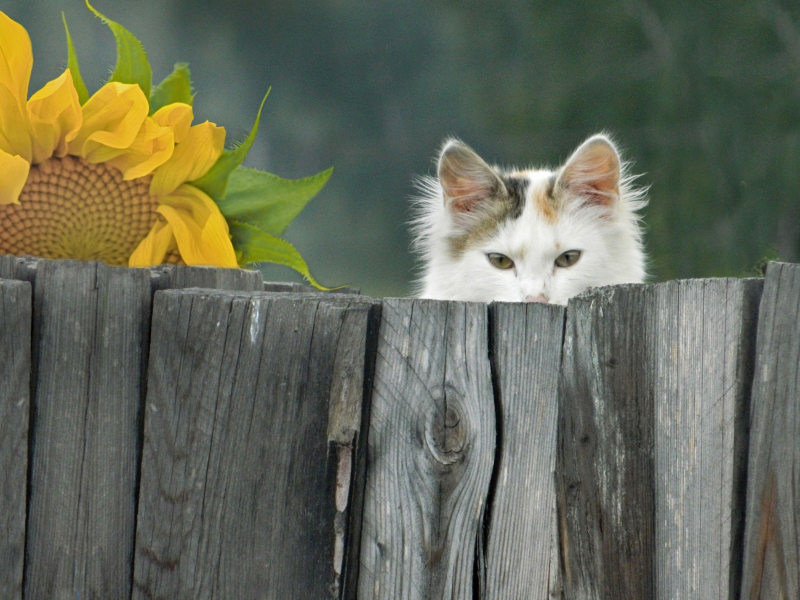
(545, 204)
(507, 206)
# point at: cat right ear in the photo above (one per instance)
(592, 173)
(466, 180)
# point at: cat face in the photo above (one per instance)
(534, 235)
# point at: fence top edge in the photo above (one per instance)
(34, 261)
(774, 267)
(263, 295)
(14, 283)
(780, 263)
(607, 292)
(535, 306)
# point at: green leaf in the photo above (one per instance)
(268, 201)
(175, 87)
(72, 65)
(215, 181)
(258, 246)
(132, 64)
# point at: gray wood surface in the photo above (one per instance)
(253, 409)
(254, 479)
(704, 346)
(526, 357)
(15, 373)
(604, 472)
(772, 540)
(179, 277)
(89, 352)
(348, 423)
(652, 444)
(431, 450)
(299, 288)
(91, 321)
(18, 267)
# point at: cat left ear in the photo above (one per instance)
(466, 180)
(593, 172)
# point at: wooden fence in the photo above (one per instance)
(163, 441)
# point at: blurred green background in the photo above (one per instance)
(703, 97)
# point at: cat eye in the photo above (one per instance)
(568, 258)
(501, 261)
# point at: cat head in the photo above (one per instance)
(532, 235)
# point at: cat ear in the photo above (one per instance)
(593, 172)
(467, 181)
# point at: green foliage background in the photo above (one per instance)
(704, 97)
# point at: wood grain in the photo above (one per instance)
(772, 538)
(526, 358)
(18, 267)
(703, 346)
(431, 450)
(605, 464)
(299, 288)
(91, 322)
(90, 337)
(179, 277)
(254, 478)
(654, 394)
(15, 375)
(253, 414)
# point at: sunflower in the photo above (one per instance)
(124, 176)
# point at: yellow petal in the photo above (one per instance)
(153, 249)
(16, 58)
(151, 148)
(200, 230)
(192, 158)
(15, 137)
(178, 116)
(55, 117)
(112, 119)
(13, 174)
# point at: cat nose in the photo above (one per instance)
(538, 298)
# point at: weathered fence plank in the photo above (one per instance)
(89, 348)
(15, 375)
(18, 267)
(299, 288)
(652, 444)
(772, 539)
(90, 321)
(348, 424)
(526, 357)
(253, 414)
(704, 344)
(605, 477)
(431, 450)
(180, 277)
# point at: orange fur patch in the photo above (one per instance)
(544, 205)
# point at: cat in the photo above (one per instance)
(487, 234)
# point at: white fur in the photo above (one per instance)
(609, 238)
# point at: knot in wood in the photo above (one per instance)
(446, 428)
